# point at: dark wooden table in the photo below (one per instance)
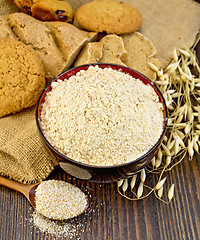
(111, 216)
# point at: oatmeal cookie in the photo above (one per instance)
(22, 76)
(108, 16)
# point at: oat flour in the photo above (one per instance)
(102, 117)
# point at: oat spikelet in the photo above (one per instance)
(179, 119)
(140, 190)
(176, 95)
(133, 181)
(159, 154)
(196, 146)
(153, 162)
(160, 74)
(165, 138)
(190, 115)
(160, 183)
(171, 192)
(160, 192)
(190, 149)
(153, 67)
(180, 134)
(143, 175)
(170, 144)
(180, 141)
(168, 160)
(184, 75)
(187, 129)
(125, 185)
(175, 56)
(158, 162)
(166, 150)
(120, 182)
(173, 66)
(196, 138)
(162, 82)
(184, 52)
(176, 147)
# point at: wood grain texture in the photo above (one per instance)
(113, 217)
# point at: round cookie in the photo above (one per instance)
(108, 16)
(22, 76)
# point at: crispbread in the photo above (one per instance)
(70, 40)
(113, 50)
(110, 16)
(22, 76)
(141, 51)
(91, 53)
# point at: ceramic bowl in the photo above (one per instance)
(99, 173)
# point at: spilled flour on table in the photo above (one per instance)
(68, 230)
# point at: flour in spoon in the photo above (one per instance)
(59, 200)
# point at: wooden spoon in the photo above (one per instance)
(28, 190)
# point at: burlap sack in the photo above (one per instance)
(23, 157)
(167, 23)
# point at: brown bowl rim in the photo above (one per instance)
(135, 161)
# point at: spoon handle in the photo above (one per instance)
(20, 187)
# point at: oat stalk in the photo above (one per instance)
(179, 83)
